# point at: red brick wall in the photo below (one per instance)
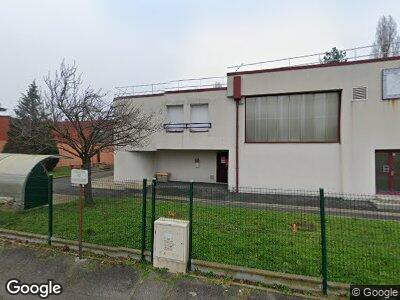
(4, 126)
(105, 157)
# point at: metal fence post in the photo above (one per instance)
(190, 217)
(324, 262)
(144, 213)
(153, 214)
(50, 209)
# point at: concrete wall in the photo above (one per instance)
(221, 136)
(348, 166)
(181, 165)
(133, 165)
(137, 165)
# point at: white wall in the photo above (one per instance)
(221, 110)
(348, 166)
(221, 136)
(181, 165)
(133, 165)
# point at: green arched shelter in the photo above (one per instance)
(24, 180)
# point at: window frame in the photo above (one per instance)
(192, 125)
(337, 141)
(175, 127)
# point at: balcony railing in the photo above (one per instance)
(180, 127)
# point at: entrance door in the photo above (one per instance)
(387, 171)
(222, 167)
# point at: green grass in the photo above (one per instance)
(61, 172)
(359, 250)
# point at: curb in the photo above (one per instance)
(270, 279)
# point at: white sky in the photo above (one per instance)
(120, 42)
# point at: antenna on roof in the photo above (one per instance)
(238, 67)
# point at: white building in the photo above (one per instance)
(335, 126)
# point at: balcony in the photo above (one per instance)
(180, 127)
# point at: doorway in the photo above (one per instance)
(387, 171)
(222, 167)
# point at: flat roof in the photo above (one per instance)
(199, 90)
(326, 65)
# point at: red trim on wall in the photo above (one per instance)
(374, 60)
(237, 87)
(237, 146)
(338, 141)
(172, 92)
(391, 167)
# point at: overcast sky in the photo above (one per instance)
(119, 42)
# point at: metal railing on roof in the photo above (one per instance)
(174, 85)
(352, 54)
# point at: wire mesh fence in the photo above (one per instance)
(363, 240)
(256, 228)
(270, 229)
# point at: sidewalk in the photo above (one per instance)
(109, 279)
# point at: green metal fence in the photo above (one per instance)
(337, 237)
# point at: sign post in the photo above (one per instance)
(80, 177)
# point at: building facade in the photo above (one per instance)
(66, 159)
(335, 126)
(4, 127)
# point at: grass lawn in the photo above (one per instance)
(359, 250)
(61, 172)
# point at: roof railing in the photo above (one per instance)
(173, 85)
(352, 54)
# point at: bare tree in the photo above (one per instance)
(84, 123)
(387, 41)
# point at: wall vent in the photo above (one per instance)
(360, 93)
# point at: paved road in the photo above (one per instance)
(218, 194)
(95, 279)
(63, 185)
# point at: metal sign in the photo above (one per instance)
(391, 83)
(385, 169)
(79, 176)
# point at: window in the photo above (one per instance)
(308, 117)
(199, 120)
(175, 118)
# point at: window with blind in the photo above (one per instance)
(199, 119)
(308, 117)
(175, 118)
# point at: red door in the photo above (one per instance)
(222, 167)
(387, 171)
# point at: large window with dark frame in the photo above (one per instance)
(306, 117)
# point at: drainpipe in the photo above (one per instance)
(237, 96)
(237, 145)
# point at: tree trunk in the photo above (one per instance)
(88, 187)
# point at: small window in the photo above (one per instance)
(175, 118)
(199, 119)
